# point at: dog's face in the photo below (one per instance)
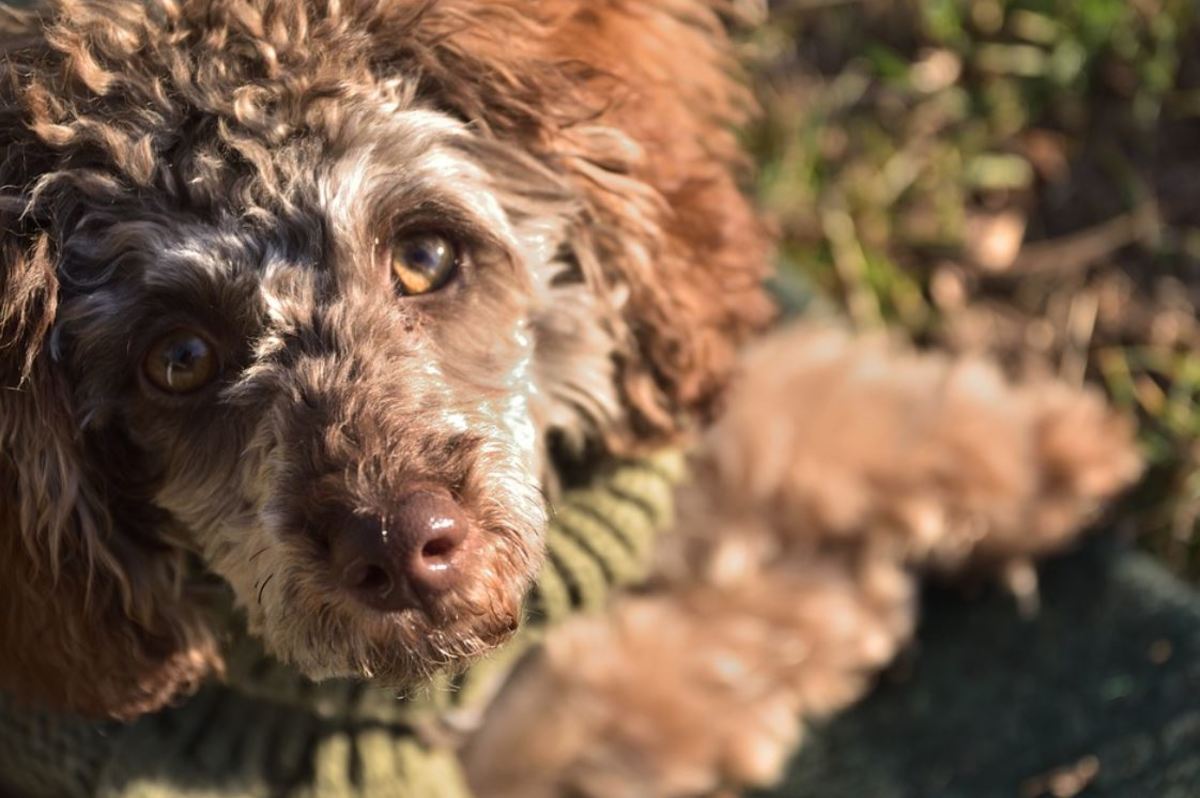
(302, 295)
(332, 395)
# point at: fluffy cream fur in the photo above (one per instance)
(842, 470)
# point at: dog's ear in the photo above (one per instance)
(89, 621)
(673, 234)
(636, 105)
(91, 613)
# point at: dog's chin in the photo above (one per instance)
(401, 650)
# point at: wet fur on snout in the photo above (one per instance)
(231, 166)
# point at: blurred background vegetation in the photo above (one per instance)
(1020, 177)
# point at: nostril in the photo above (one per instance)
(375, 580)
(365, 566)
(366, 577)
(437, 531)
(439, 550)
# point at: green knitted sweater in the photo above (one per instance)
(268, 732)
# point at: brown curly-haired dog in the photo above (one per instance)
(314, 294)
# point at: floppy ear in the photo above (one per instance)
(635, 105)
(92, 616)
(669, 225)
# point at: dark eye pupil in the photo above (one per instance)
(426, 256)
(181, 362)
(422, 263)
(184, 354)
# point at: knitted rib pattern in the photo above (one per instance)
(268, 732)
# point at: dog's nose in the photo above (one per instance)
(406, 560)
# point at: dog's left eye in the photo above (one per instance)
(423, 263)
(181, 362)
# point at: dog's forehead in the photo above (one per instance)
(309, 149)
(391, 162)
(322, 201)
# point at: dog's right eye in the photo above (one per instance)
(423, 263)
(181, 362)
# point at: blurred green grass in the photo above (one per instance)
(1020, 177)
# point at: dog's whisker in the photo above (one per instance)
(264, 587)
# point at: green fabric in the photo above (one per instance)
(269, 732)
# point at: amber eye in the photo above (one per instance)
(422, 263)
(181, 362)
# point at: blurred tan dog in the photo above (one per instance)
(842, 470)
